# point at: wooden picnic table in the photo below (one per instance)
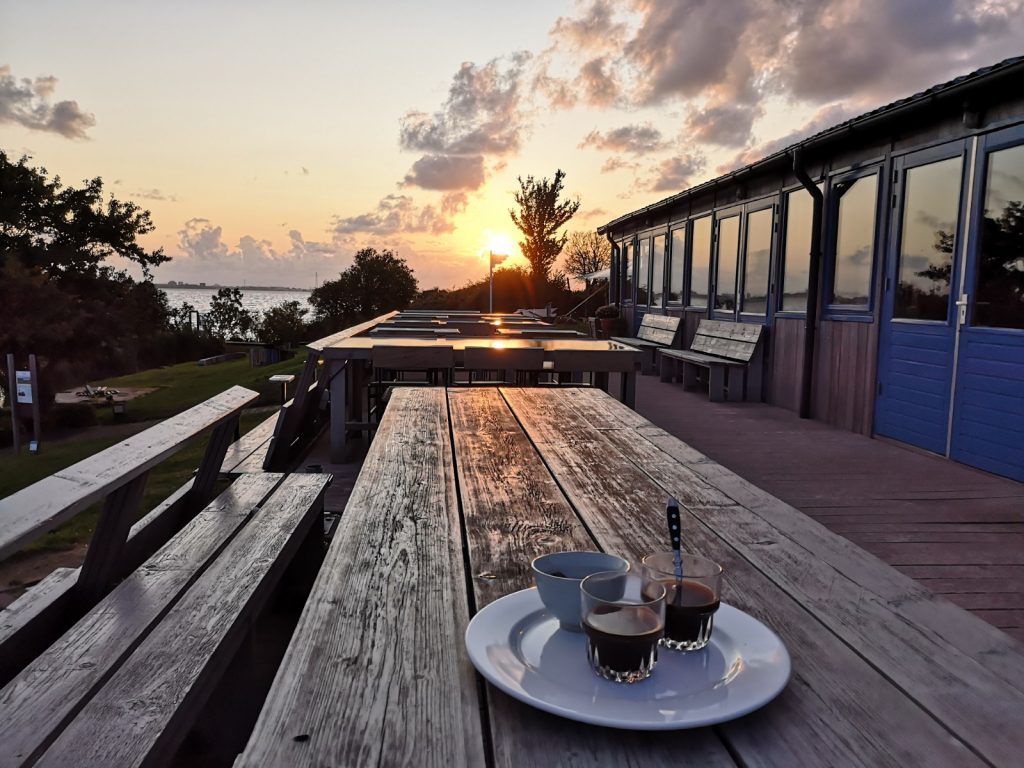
(347, 359)
(463, 487)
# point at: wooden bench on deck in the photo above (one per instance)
(98, 674)
(656, 332)
(729, 351)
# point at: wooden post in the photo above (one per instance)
(36, 421)
(12, 399)
(338, 377)
(209, 467)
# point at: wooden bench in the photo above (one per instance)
(249, 452)
(730, 352)
(656, 332)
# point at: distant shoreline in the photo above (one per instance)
(214, 286)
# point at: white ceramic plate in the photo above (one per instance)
(517, 645)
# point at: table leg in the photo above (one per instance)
(629, 389)
(339, 410)
(601, 380)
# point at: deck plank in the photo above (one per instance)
(514, 511)
(374, 674)
(837, 709)
(242, 450)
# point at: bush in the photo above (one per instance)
(607, 312)
(73, 416)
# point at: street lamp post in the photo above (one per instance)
(496, 258)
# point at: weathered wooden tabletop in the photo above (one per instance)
(461, 489)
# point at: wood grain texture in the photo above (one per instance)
(253, 440)
(42, 699)
(837, 709)
(514, 511)
(967, 674)
(375, 674)
(786, 362)
(34, 620)
(845, 374)
(143, 712)
(328, 341)
(34, 510)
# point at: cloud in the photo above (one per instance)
(594, 29)
(198, 239)
(153, 194)
(613, 164)
(447, 172)
(727, 125)
(398, 214)
(599, 86)
(27, 103)
(633, 139)
(592, 213)
(675, 173)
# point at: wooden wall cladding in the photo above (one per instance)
(845, 372)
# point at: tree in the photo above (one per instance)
(227, 318)
(586, 252)
(541, 214)
(283, 324)
(377, 282)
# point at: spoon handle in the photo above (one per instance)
(674, 535)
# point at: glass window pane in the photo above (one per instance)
(797, 257)
(728, 253)
(675, 272)
(931, 203)
(627, 283)
(700, 263)
(999, 291)
(643, 270)
(657, 270)
(757, 261)
(855, 240)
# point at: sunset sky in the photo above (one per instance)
(271, 140)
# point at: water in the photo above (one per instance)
(253, 300)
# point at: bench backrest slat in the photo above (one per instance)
(491, 359)
(722, 338)
(401, 358)
(660, 329)
(40, 507)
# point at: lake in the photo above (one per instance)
(253, 300)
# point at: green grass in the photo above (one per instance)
(182, 386)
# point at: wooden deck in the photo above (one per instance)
(957, 530)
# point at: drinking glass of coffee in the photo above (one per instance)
(623, 623)
(690, 603)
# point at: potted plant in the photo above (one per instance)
(607, 318)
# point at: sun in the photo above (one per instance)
(497, 242)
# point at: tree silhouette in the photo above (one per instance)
(586, 252)
(541, 214)
(378, 282)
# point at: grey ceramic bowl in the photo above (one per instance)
(558, 576)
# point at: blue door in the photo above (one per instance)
(919, 318)
(988, 413)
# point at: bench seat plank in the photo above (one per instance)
(252, 441)
(837, 709)
(37, 703)
(375, 673)
(42, 506)
(698, 357)
(968, 674)
(635, 342)
(153, 699)
(514, 511)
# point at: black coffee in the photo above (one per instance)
(688, 611)
(623, 639)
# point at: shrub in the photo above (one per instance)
(607, 312)
(73, 416)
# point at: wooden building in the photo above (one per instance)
(897, 238)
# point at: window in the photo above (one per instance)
(797, 254)
(999, 288)
(725, 267)
(931, 206)
(756, 262)
(658, 270)
(700, 263)
(676, 264)
(856, 202)
(627, 280)
(643, 270)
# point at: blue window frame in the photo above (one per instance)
(855, 227)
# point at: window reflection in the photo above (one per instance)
(931, 202)
(855, 240)
(797, 256)
(627, 283)
(657, 270)
(675, 270)
(700, 263)
(643, 259)
(757, 261)
(728, 252)
(999, 290)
